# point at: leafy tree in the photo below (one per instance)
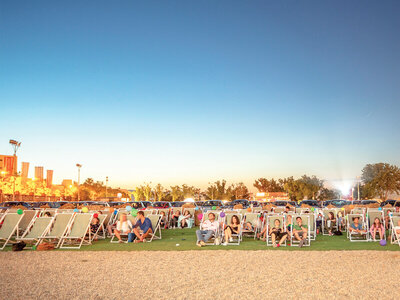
(188, 191)
(240, 191)
(176, 193)
(264, 185)
(211, 192)
(328, 194)
(159, 192)
(147, 191)
(138, 193)
(304, 187)
(220, 190)
(381, 179)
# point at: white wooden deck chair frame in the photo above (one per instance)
(102, 229)
(28, 237)
(156, 224)
(216, 234)
(394, 237)
(254, 219)
(13, 227)
(373, 213)
(84, 237)
(270, 223)
(355, 237)
(50, 235)
(128, 217)
(237, 238)
(305, 220)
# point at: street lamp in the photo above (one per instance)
(79, 180)
(15, 145)
(106, 185)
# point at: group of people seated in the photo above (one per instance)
(181, 220)
(136, 233)
(209, 228)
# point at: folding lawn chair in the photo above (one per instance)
(394, 236)
(270, 223)
(354, 236)
(59, 227)
(156, 224)
(218, 233)
(77, 233)
(51, 211)
(36, 230)
(371, 215)
(253, 219)
(9, 228)
(28, 218)
(102, 219)
(325, 219)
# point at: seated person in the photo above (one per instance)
(277, 233)
(232, 228)
(397, 229)
(175, 218)
(300, 231)
(184, 219)
(387, 219)
(94, 225)
(145, 226)
(209, 228)
(163, 221)
(339, 220)
(287, 209)
(330, 222)
(377, 226)
(318, 223)
(47, 214)
(356, 227)
(124, 226)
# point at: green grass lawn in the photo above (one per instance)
(186, 238)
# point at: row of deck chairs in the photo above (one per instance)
(257, 225)
(68, 230)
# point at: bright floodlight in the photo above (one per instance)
(344, 186)
(189, 200)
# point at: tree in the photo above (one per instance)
(176, 193)
(240, 191)
(159, 192)
(264, 185)
(211, 192)
(147, 191)
(220, 190)
(381, 179)
(304, 187)
(138, 193)
(328, 194)
(188, 191)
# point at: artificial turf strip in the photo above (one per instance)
(186, 238)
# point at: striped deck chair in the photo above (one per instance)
(305, 219)
(28, 218)
(9, 228)
(77, 235)
(253, 220)
(355, 236)
(59, 227)
(227, 220)
(36, 230)
(270, 223)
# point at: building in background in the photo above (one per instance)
(8, 164)
(67, 182)
(25, 170)
(39, 173)
(49, 178)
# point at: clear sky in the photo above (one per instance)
(195, 91)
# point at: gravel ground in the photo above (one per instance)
(199, 275)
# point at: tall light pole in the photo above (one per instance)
(15, 144)
(79, 180)
(106, 185)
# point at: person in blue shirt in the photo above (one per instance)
(356, 226)
(144, 224)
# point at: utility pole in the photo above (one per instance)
(15, 144)
(106, 185)
(79, 181)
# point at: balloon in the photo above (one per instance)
(382, 242)
(128, 208)
(200, 216)
(214, 208)
(380, 208)
(20, 211)
(312, 208)
(33, 247)
(111, 210)
(95, 216)
(85, 209)
(115, 212)
(391, 214)
(196, 208)
(342, 208)
(76, 210)
(134, 212)
(249, 209)
(222, 214)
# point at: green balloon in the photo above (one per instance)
(214, 208)
(134, 212)
(33, 247)
(20, 211)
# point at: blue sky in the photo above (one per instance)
(195, 91)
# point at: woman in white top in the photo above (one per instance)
(124, 226)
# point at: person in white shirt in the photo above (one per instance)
(208, 228)
(124, 226)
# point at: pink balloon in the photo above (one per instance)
(200, 216)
